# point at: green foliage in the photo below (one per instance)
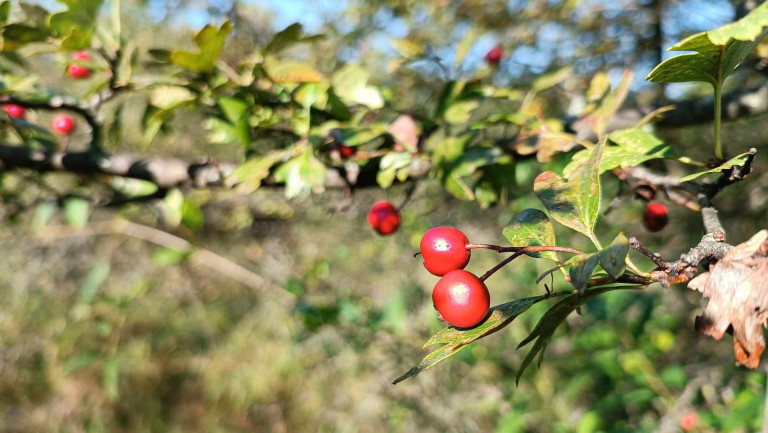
(531, 227)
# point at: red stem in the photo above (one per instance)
(519, 251)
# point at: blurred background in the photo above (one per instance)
(103, 332)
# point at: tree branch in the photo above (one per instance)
(164, 172)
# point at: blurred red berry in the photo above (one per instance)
(79, 71)
(655, 217)
(461, 299)
(493, 56)
(347, 151)
(63, 124)
(688, 421)
(15, 111)
(444, 249)
(384, 218)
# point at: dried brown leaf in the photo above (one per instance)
(737, 288)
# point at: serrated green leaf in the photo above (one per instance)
(575, 203)
(454, 340)
(581, 270)
(738, 160)
(613, 258)
(717, 52)
(75, 25)
(531, 227)
(210, 42)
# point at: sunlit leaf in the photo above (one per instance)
(717, 52)
(407, 48)
(455, 340)
(737, 160)
(531, 227)
(210, 42)
(75, 25)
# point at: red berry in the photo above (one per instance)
(493, 56)
(81, 55)
(384, 218)
(444, 249)
(461, 298)
(347, 151)
(79, 71)
(15, 111)
(63, 124)
(655, 217)
(688, 421)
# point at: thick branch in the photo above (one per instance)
(164, 172)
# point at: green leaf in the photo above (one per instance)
(575, 203)
(76, 212)
(717, 52)
(552, 319)
(5, 11)
(234, 109)
(407, 48)
(531, 227)
(287, 37)
(463, 47)
(546, 81)
(15, 36)
(613, 258)
(192, 216)
(635, 147)
(291, 72)
(75, 26)
(454, 340)
(110, 378)
(389, 165)
(581, 270)
(738, 160)
(302, 175)
(210, 42)
(168, 257)
(90, 286)
(168, 97)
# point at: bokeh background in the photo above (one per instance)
(108, 333)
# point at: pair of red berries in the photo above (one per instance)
(79, 71)
(655, 217)
(459, 296)
(62, 124)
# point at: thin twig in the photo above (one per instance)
(155, 236)
(527, 249)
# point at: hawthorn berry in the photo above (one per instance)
(688, 421)
(493, 56)
(79, 71)
(347, 151)
(655, 217)
(384, 218)
(63, 124)
(461, 298)
(15, 111)
(444, 249)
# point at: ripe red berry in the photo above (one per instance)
(493, 56)
(655, 217)
(347, 151)
(688, 421)
(15, 111)
(63, 124)
(79, 71)
(384, 218)
(461, 298)
(444, 249)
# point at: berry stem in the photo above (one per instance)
(525, 250)
(519, 251)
